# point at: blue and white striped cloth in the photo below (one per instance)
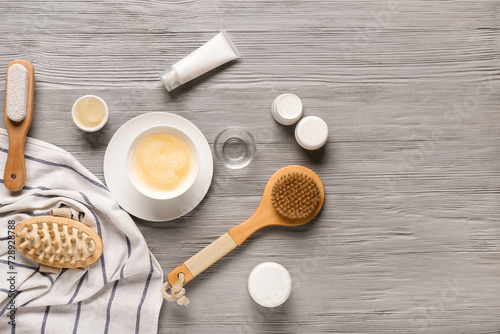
(119, 293)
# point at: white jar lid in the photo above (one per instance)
(287, 109)
(311, 133)
(269, 284)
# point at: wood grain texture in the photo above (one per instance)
(409, 237)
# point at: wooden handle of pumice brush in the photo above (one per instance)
(15, 167)
(203, 259)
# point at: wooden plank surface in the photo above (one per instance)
(409, 238)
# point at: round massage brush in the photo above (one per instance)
(57, 241)
(293, 196)
(19, 91)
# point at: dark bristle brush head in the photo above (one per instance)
(295, 195)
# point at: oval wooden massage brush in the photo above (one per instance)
(293, 196)
(57, 241)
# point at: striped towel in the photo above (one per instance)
(119, 293)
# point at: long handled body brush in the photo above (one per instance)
(293, 196)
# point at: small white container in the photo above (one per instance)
(90, 113)
(269, 284)
(287, 109)
(311, 133)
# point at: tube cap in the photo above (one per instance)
(287, 109)
(170, 79)
(311, 133)
(269, 284)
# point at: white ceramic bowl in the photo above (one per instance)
(190, 178)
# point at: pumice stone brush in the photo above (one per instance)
(19, 91)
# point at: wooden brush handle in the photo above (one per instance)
(203, 259)
(15, 167)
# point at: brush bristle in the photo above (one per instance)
(57, 243)
(295, 195)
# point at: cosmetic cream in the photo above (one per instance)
(217, 51)
(90, 113)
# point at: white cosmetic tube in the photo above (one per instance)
(217, 51)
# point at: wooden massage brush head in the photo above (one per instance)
(293, 196)
(57, 241)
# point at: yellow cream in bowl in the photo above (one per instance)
(162, 161)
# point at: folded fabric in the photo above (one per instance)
(119, 293)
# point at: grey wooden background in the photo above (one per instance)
(409, 237)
